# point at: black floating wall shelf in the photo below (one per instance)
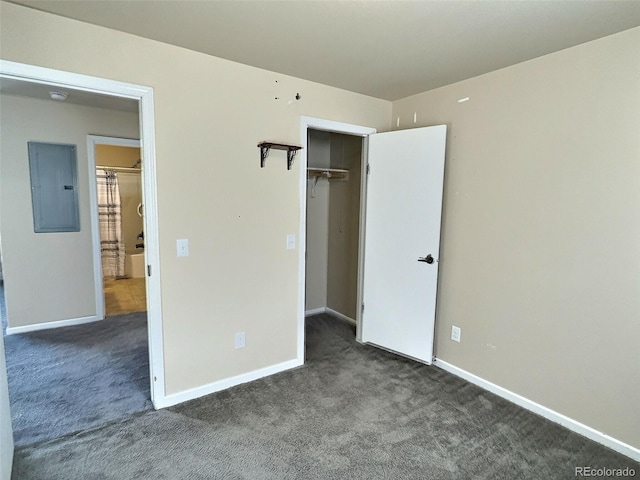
(266, 146)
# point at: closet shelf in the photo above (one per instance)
(265, 147)
(328, 173)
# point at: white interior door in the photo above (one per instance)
(402, 239)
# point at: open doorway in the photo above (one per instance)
(100, 91)
(401, 205)
(334, 165)
(333, 157)
(116, 175)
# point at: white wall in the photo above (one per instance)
(319, 155)
(54, 268)
(344, 216)
(541, 231)
(6, 433)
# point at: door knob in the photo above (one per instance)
(427, 259)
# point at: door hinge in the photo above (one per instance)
(363, 307)
(368, 169)
(148, 270)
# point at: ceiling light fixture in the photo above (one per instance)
(60, 96)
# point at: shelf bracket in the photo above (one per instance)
(264, 153)
(290, 156)
(265, 148)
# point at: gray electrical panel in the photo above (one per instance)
(54, 187)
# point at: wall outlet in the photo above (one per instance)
(291, 241)
(455, 333)
(240, 340)
(182, 247)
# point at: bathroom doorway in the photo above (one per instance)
(119, 209)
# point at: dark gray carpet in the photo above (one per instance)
(69, 379)
(351, 412)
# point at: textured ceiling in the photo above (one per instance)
(385, 49)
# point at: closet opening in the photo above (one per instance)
(333, 224)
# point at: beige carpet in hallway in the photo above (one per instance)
(124, 295)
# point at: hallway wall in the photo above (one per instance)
(55, 268)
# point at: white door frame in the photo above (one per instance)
(307, 123)
(144, 96)
(92, 141)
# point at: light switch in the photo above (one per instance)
(182, 246)
(291, 241)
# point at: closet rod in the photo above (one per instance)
(119, 169)
(328, 173)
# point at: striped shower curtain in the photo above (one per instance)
(110, 219)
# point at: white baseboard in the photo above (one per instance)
(341, 316)
(330, 311)
(198, 392)
(571, 424)
(48, 325)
